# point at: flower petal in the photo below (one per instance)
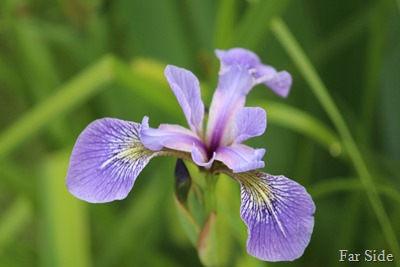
(106, 159)
(170, 136)
(228, 99)
(238, 56)
(240, 158)
(249, 122)
(201, 158)
(279, 82)
(278, 213)
(187, 91)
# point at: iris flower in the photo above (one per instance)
(278, 212)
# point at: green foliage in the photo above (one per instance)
(65, 63)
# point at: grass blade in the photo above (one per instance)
(66, 222)
(305, 67)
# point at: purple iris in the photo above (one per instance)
(110, 153)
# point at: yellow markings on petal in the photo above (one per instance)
(132, 152)
(261, 197)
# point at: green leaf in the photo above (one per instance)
(301, 122)
(65, 218)
(189, 224)
(81, 88)
(225, 24)
(254, 25)
(349, 184)
(14, 219)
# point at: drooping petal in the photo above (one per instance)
(106, 159)
(170, 136)
(249, 122)
(278, 213)
(278, 82)
(228, 99)
(240, 158)
(187, 91)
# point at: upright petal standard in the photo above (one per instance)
(110, 153)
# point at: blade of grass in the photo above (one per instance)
(65, 219)
(301, 122)
(305, 67)
(252, 26)
(224, 24)
(80, 89)
(199, 19)
(348, 184)
(34, 57)
(14, 219)
(373, 71)
(347, 33)
(65, 98)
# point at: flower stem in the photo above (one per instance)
(207, 246)
(305, 67)
(209, 194)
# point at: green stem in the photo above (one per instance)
(209, 194)
(304, 65)
(207, 244)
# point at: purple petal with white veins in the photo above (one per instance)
(249, 122)
(228, 99)
(106, 159)
(278, 213)
(170, 136)
(187, 91)
(240, 158)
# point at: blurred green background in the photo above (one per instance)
(65, 63)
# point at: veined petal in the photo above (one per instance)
(240, 158)
(238, 56)
(278, 213)
(279, 82)
(228, 99)
(170, 136)
(186, 88)
(106, 159)
(249, 122)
